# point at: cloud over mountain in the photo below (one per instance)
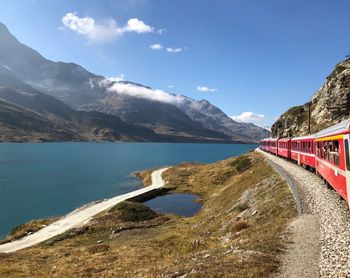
(104, 30)
(144, 92)
(248, 117)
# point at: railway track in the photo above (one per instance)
(329, 219)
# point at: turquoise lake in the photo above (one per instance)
(50, 179)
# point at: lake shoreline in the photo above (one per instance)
(83, 215)
(246, 209)
(142, 198)
(43, 180)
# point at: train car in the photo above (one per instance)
(333, 157)
(284, 147)
(294, 150)
(273, 145)
(267, 144)
(262, 144)
(303, 151)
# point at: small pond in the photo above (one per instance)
(181, 204)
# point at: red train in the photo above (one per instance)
(326, 153)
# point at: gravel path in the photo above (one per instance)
(333, 223)
(79, 216)
(301, 259)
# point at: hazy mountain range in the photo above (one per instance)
(42, 100)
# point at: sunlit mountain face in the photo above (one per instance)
(157, 111)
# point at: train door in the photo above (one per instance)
(298, 152)
(347, 162)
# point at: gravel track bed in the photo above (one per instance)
(333, 215)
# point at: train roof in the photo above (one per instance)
(306, 137)
(284, 139)
(342, 127)
(268, 139)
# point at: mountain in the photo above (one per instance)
(76, 125)
(68, 82)
(329, 105)
(213, 118)
(28, 115)
(166, 115)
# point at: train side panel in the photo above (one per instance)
(295, 155)
(284, 152)
(333, 175)
(307, 159)
(330, 162)
(284, 148)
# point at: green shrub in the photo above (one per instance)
(242, 163)
(241, 207)
(134, 212)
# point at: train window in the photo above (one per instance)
(336, 152)
(333, 152)
(330, 151)
(324, 150)
(318, 149)
(347, 154)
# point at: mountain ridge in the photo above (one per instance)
(85, 91)
(329, 105)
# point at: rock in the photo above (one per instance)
(329, 105)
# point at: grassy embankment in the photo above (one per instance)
(237, 233)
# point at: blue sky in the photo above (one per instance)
(246, 56)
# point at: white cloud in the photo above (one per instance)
(156, 46)
(7, 67)
(121, 77)
(174, 50)
(161, 31)
(248, 117)
(138, 26)
(143, 92)
(104, 30)
(206, 89)
(170, 86)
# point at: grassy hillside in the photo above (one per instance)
(237, 233)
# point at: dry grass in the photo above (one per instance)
(237, 233)
(145, 176)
